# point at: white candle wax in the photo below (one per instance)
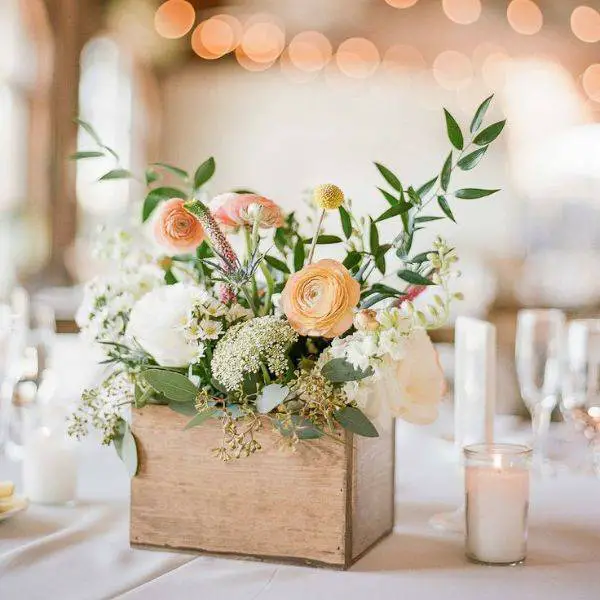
(497, 505)
(49, 468)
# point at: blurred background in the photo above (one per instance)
(287, 94)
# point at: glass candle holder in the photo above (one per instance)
(497, 503)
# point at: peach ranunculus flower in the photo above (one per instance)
(319, 300)
(176, 229)
(233, 210)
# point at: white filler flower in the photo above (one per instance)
(157, 320)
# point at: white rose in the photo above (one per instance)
(156, 323)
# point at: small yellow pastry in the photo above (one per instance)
(7, 489)
(6, 504)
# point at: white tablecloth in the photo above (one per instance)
(82, 552)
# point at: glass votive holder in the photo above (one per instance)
(497, 503)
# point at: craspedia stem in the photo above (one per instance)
(313, 244)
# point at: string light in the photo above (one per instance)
(525, 16)
(463, 12)
(174, 18)
(220, 34)
(591, 82)
(585, 23)
(452, 70)
(401, 3)
(309, 51)
(357, 57)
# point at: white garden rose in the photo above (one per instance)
(157, 323)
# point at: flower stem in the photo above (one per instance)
(270, 286)
(313, 244)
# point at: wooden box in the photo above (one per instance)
(325, 504)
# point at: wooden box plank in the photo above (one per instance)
(325, 503)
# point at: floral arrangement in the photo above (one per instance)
(274, 336)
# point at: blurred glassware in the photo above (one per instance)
(538, 344)
(581, 382)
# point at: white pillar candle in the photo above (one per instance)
(49, 468)
(497, 497)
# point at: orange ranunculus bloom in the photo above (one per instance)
(234, 210)
(176, 229)
(319, 300)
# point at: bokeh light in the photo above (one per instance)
(198, 45)
(309, 51)
(401, 3)
(585, 23)
(525, 16)
(292, 72)
(401, 58)
(357, 57)
(219, 35)
(174, 18)
(463, 12)
(249, 63)
(263, 40)
(452, 70)
(591, 82)
(494, 68)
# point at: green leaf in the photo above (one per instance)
(414, 197)
(454, 133)
(346, 222)
(187, 409)
(414, 278)
(277, 264)
(303, 428)
(151, 176)
(126, 447)
(86, 154)
(391, 199)
(374, 299)
(443, 203)
(272, 396)
(471, 160)
(111, 152)
(116, 174)
(339, 370)
(352, 259)
(174, 386)
(473, 193)
(389, 177)
(325, 239)
(201, 417)
(171, 169)
(489, 134)
(89, 129)
(381, 288)
(426, 187)
(299, 254)
(170, 279)
(446, 172)
(480, 114)
(419, 258)
(204, 172)
(373, 238)
(393, 211)
(156, 196)
(426, 219)
(354, 420)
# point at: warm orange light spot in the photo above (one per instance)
(310, 51)
(585, 23)
(263, 41)
(525, 16)
(452, 70)
(591, 82)
(290, 70)
(463, 12)
(401, 3)
(493, 70)
(220, 34)
(249, 64)
(403, 59)
(174, 18)
(357, 57)
(198, 45)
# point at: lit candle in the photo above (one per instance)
(49, 467)
(497, 502)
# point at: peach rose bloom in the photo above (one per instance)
(234, 210)
(176, 229)
(319, 300)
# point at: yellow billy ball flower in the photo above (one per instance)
(328, 196)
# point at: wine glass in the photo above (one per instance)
(538, 360)
(581, 381)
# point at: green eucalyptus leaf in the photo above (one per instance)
(188, 409)
(426, 187)
(489, 134)
(302, 427)
(346, 222)
(271, 396)
(373, 238)
(391, 199)
(170, 278)
(414, 196)
(89, 130)
(299, 254)
(446, 172)
(393, 211)
(419, 258)
(174, 386)
(454, 133)
(471, 160)
(414, 278)
(389, 177)
(352, 259)
(172, 169)
(480, 114)
(354, 420)
(86, 154)
(277, 264)
(204, 172)
(151, 177)
(473, 193)
(116, 174)
(426, 219)
(443, 203)
(381, 288)
(202, 417)
(339, 370)
(325, 239)
(374, 299)
(126, 447)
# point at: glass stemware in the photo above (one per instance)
(581, 382)
(538, 360)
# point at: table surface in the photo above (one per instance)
(82, 552)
